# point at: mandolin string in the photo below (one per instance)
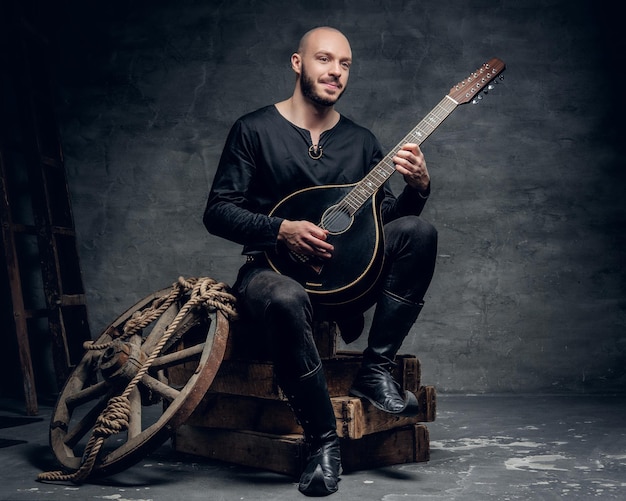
(362, 191)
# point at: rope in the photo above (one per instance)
(115, 417)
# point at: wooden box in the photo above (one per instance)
(245, 419)
(287, 453)
(355, 418)
(252, 378)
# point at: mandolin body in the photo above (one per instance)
(357, 239)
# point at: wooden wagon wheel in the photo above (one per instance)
(163, 398)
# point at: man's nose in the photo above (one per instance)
(335, 68)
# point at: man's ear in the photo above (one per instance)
(296, 62)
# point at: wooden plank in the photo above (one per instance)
(278, 453)
(287, 453)
(409, 444)
(355, 418)
(239, 377)
(408, 372)
(402, 445)
(243, 377)
(427, 397)
(235, 412)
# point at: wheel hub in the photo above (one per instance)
(121, 362)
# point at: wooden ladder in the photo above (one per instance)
(40, 252)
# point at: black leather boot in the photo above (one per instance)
(310, 401)
(392, 321)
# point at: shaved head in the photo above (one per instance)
(312, 34)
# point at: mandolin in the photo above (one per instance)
(351, 212)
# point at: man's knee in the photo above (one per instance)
(420, 228)
(281, 299)
(414, 232)
(428, 234)
(288, 298)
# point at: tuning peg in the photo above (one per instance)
(477, 99)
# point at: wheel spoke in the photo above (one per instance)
(178, 357)
(134, 422)
(159, 328)
(153, 384)
(80, 429)
(85, 395)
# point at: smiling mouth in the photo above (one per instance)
(332, 85)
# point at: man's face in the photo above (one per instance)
(319, 94)
(325, 67)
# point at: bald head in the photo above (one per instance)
(313, 37)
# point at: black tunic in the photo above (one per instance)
(266, 158)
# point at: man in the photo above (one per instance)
(297, 143)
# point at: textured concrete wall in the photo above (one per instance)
(528, 186)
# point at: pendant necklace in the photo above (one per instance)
(315, 151)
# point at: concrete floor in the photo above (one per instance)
(482, 448)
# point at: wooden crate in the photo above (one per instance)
(355, 418)
(252, 378)
(245, 419)
(408, 444)
(287, 453)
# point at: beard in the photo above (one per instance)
(307, 86)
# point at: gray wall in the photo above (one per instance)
(528, 186)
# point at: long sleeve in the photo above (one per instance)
(230, 213)
(409, 203)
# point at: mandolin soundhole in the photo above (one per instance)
(336, 219)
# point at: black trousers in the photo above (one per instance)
(280, 308)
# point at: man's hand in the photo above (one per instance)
(304, 237)
(409, 162)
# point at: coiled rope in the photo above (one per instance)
(115, 417)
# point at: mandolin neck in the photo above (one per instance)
(371, 183)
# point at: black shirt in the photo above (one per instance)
(266, 158)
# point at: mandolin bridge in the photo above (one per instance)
(309, 261)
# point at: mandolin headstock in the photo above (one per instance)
(466, 90)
